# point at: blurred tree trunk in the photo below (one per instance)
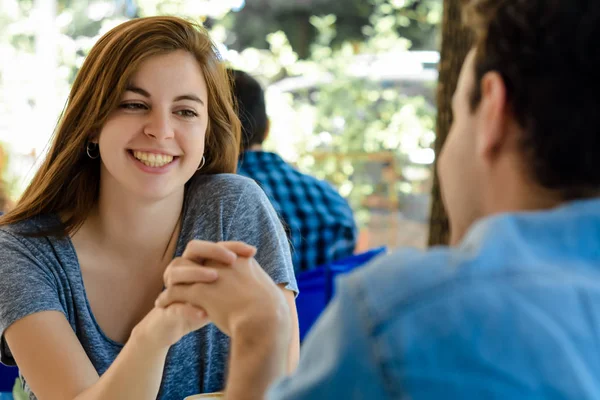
(456, 42)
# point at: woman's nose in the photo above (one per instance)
(158, 125)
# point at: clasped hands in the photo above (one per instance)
(223, 282)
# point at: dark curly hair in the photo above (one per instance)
(547, 52)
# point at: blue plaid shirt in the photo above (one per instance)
(319, 222)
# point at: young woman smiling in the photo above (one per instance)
(141, 167)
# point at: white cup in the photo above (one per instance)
(216, 395)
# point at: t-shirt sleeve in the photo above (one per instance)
(255, 222)
(26, 286)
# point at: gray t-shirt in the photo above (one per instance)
(40, 274)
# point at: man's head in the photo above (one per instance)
(250, 99)
(526, 131)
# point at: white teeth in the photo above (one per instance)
(152, 159)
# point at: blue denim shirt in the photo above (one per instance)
(512, 313)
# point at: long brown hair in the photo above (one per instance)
(68, 180)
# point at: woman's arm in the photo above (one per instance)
(50, 356)
(56, 366)
(245, 304)
(294, 352)
(180, 273)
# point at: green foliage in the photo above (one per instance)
(8, 181)
(323, 126)
(330, 128)
(18, 393)
(415, 20)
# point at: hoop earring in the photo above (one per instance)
(201, 164)
(92, 150)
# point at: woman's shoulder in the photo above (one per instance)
(223, 181)
(27, 255)
(32, 225)
(27, 232)
(208, 188)
(215, 200)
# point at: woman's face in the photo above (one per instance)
(153, 142)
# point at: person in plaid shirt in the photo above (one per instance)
(319, 222)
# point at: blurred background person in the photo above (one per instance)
(319, 221)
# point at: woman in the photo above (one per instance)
(139, 167)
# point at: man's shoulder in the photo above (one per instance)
(392, 281)
(320, 191)
(270, 167)
(395, 285)
(265, 165)
(431, 312)
(282, 179)
(500, 268)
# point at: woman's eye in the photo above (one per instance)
(133, 106)
(187, 113)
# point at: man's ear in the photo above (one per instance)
(492, 110)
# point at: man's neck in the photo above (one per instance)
(514, 191)
(507, 190)
(255, 147)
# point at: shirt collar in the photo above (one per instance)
(248, 159)
(571, 226)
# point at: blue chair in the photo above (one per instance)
(317, 286)
(8, 375)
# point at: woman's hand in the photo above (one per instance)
(164, 326)
(245, 304)
(242, 295)
(200, 261)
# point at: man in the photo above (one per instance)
(511, 310)
(319, 222)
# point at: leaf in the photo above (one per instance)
(18, 392)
